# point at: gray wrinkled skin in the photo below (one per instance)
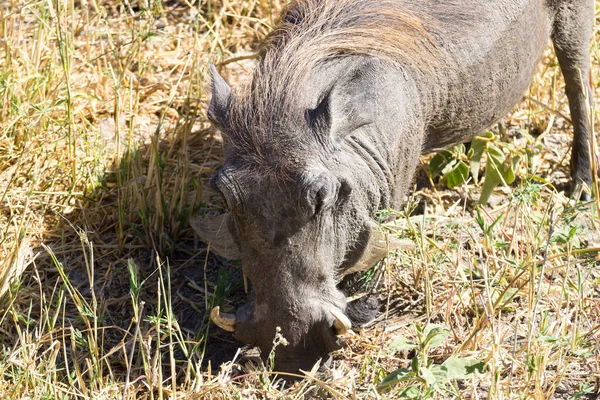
(315, 145)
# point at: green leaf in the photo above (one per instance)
(582, 352)
(495, 164)
(478, 147)
(490, 228)
(463, 368)
(546, 339)
(495, 158)
(394, 378)
(566, 234)
(441, 374)
(525, 133)
(479, 218)
(457, 175)
(572, 232)
(449, 167)
(508, 174)
(428, 376)
(400, 344)
(435, 335)
(411, 392)
(439, 162)
(459, 150)
(514, 166)
(492, 177)
(501, 298)
(414, 364)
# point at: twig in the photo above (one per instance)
(548, 108)
(130, 360)
(543, 268)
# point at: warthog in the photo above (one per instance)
(345, 97)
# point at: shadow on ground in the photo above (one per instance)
(127, 248)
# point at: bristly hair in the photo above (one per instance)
(311, 32)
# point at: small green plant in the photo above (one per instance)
(278, 340)
(503, 162)
(451, 166)
(424, 378)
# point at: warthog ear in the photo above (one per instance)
(216, 232)
(220, 102)
(378, 246)
(352, 101)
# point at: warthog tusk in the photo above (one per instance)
(223, 320)
(341, 323)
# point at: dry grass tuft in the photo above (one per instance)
(104, 153)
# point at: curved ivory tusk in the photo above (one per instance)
(341, 323)
(378, 246)
(223, 320)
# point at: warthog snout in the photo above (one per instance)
(305, 342)
(341, 323)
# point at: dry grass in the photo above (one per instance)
(104, 152)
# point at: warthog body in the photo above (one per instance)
(346, 96)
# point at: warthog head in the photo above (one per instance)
(301, 200)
